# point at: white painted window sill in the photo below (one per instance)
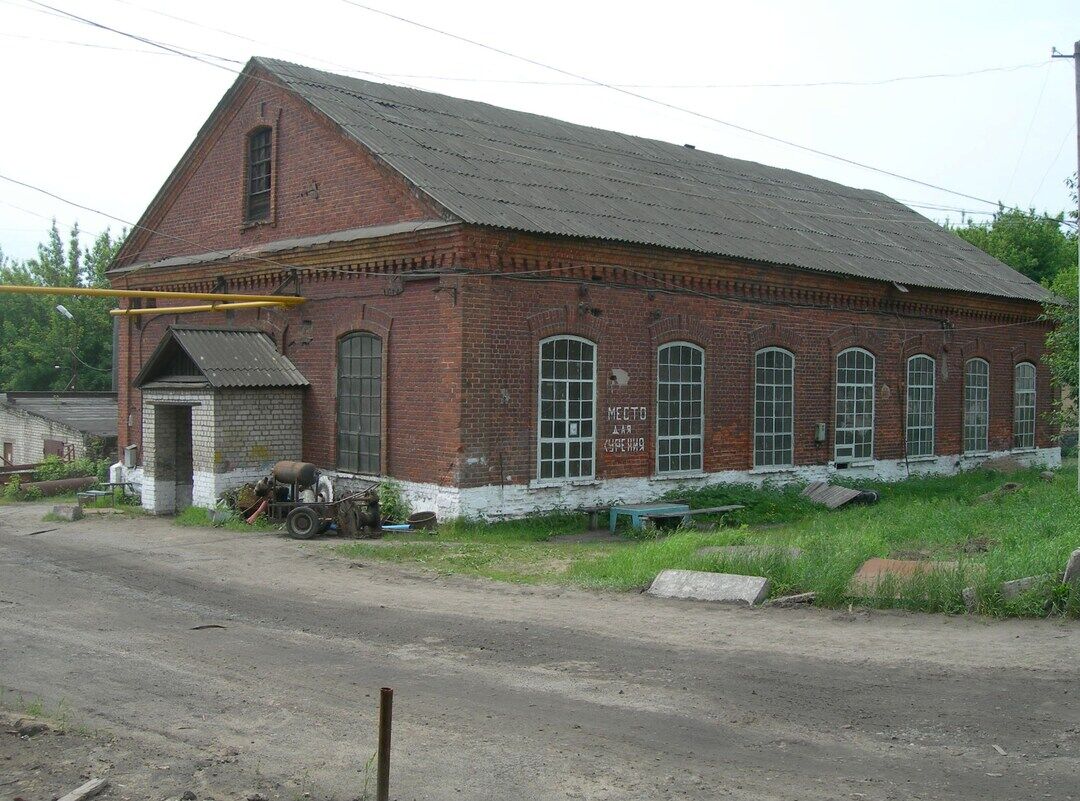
(927, 458)
(772, 470)
(849, 465)
(357, 476)
(676, 476)
(548, 484)
(1024, 450)
(976, 455)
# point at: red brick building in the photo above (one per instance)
(507, 312)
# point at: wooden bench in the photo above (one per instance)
(653, 518)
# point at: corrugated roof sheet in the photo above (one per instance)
(282, 245)
(227, 358)
(92, 413)
(493, 166)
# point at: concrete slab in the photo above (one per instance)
(749, 551)
(68, 513)
(1072, 568)
(702, 586)
(874, 571)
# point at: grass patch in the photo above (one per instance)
(197, 517)
(979, 543)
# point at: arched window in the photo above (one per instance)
(1024, 405)
(920, 406)
(976, 406)
(680, 388)
(359, 403)
(567, 399)
(259, 158)
(774, 408)
(854, 405)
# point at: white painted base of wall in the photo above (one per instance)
(518, 500)
(159, 497)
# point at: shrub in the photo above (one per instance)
(392, 503)
(53, 468)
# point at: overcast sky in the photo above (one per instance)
(101, 119)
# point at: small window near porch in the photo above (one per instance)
(359, 404)
(259, 159)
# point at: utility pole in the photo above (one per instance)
(1076, 68)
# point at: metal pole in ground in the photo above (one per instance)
(386, 713)
(1076, 68)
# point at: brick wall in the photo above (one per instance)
(27, 434)
(321, 183)
(235, 436)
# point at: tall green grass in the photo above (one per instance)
(1027, 533)
(978, 543)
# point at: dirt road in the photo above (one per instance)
(509, 692)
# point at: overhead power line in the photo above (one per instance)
(709, 85)
(196, 55)
(665, 104)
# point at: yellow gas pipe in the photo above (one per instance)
(215, 298)
(210, 307)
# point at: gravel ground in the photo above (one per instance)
(502, 691)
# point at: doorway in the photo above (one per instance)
(173, 457)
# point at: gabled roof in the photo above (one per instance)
(219, 357)
(89, 412)
(496, 167)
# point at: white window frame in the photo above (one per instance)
(567, 440)
(921, 425)
(1020, 437)
(759, 431)
(976, 402)
(851, 457)
(700, 436)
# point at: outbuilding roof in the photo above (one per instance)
(219, 357)
(89, 412)
(496, 167)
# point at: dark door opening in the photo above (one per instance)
(185, 475)
(173, 459)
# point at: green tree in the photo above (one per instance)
(1032, 244)
(42, 349)
(1063, 343)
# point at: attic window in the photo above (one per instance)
(259, 153)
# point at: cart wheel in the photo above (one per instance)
(302, 523)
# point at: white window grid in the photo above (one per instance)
(920, 405)
(567, 401)
(854, 429)
(976, 406)
(1024, 405)
(774, 408)
(680, 390)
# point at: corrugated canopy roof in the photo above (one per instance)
(493, 166)
(222, 357)
(89, 412)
